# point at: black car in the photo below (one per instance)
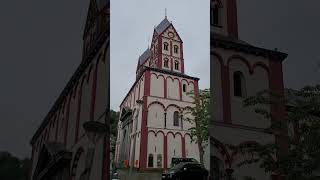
(175, 161)
(185, 171)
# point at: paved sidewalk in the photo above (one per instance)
(125, 175)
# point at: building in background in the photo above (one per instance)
(59, 146)
(239, 70)
(151, 129)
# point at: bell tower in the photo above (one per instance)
(223, 17)
(166, 50)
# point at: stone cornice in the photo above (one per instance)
(146, 68)
(237, 45)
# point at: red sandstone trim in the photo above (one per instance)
(139, 84)
(165, 152)
(170, 48)
(160, 51)
(180, 90)
(165, 88)
(144, 128)
(67, 121)
(278, 110)
(93, 91)
(225, 80)
(76, 137)
(57, 120)
(183, 141)
(181, 57)
(232, 18)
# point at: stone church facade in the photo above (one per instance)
(151, 129)
(239, 70)
(59, 145)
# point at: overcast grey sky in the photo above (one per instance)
(132, 24)
(291, 26)
(41, 41)
(40, 48)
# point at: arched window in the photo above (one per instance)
(239, 85)
(165, 46)
(176, 118)
(150, 160)
(159, 161)
(176, 65)
(184, 88)
(166, 62)
(215, 11)
(175, 49)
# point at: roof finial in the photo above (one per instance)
(165, 13)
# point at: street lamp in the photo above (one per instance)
(94, 130)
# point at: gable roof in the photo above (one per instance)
(145, 55)
(164, 24)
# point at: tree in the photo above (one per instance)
(302, 158)
(200, 120)
(114, 117)
(13, 168)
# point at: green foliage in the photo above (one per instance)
(13, 168)
(200, 119)
(302, 158)
(114, 118)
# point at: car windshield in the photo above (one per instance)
(178, 166)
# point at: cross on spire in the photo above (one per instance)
(165, 13)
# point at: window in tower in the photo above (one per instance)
(184, 87)
(176, 118)
(176, 65)
(239, 84)
(165, 46)
(175, 49)
(166, 62)
(165, 120)
(215, 11)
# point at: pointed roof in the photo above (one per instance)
(144, 56)
(164, 24)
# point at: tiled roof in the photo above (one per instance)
(145, 55)
(162, 26)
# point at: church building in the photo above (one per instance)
(240, 70)
(60, 145)
(151, 128)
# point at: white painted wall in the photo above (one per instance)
(155, 147)
(157, 84)
(174, 147)
(156, 116)
(173, 88)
